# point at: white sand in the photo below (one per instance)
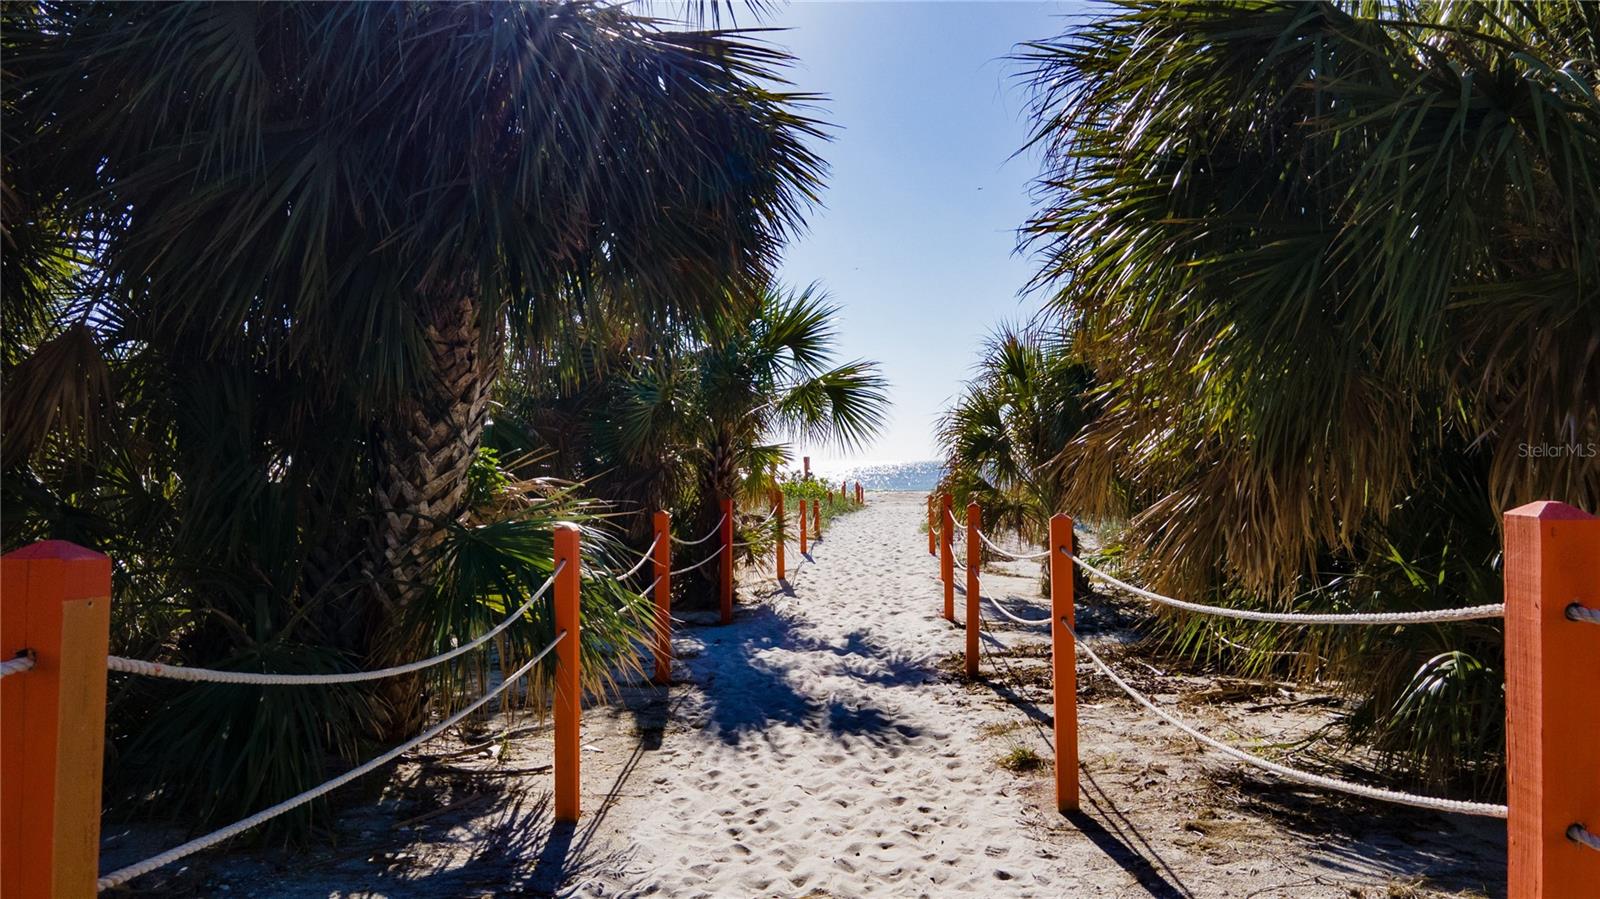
(820, 746)
(816, 748)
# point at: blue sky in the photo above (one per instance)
(917, 240)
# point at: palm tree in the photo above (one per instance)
(759, 370)
(1002, 438)
(1333, 264)
(1304, 241)
(351, 211)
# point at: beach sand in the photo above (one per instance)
(825, 745)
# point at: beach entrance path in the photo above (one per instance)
(813, 748)
(824, 745)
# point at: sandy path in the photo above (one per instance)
(819, 750)
(822, 746)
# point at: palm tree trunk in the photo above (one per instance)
(423, 454)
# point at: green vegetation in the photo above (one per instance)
(1021, 759)
(294, 296)
(798, 487)
(679, 418)
(1331, 268)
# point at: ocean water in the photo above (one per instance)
(916, 476)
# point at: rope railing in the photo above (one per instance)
(1466, 613)
(1021, 557)
(213, 675)
(649, 551)
(1581, 835)
(628, 607)
(1580, 612)
(1485, 809)
(84, 664)
(1008, 613)
(16, 665)
(1546, 567)
(125, 874)
(699, 563)
(709, 534)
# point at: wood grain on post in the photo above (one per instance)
(662, 558)
(726, 580)
(1063, 665)
(569, 682)
(947, 559)
(1552, 560)
(974, 555)
(55, 602)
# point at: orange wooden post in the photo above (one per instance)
(777, 499)
(1552, 728)
(933, 530)
(861, 496)
(663, 622)
(1063, 664)
(55, 603)
(947, 559)
(816, 519)
(727, 561)
(569, 684)
(802, 527)
(806, 460)
(974, 554)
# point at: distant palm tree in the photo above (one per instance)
(1003, 437)
(760, 369)
(352, 210)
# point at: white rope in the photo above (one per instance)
(212, 675)
(1010, 555)
(1305, 777)
(1581, 835)
(1579, 612)
(625, 607)
(123, 875)
(1007, 612)
(16, 665)
(699, 563)
(1496, 610)
(708, 536)
(642, 559)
